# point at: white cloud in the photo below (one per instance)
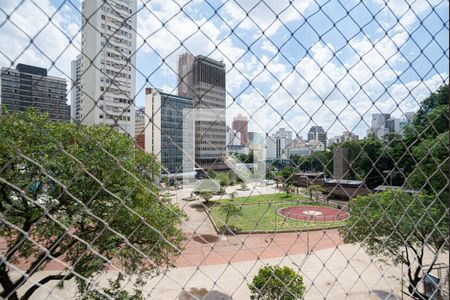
(262, 15)
(268, 46)
(31, 21)
(50, 40)
(320, 86)
(405, 10)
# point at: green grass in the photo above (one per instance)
(261, 214)
(258, 199)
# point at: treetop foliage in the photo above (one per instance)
(84, 193)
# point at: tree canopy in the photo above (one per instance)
(399, 226)
(84, 195)
(277, 283)
(395, 224)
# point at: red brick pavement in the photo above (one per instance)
(240, 248)
(244, 247)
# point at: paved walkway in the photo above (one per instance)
(346, 272)
(203, 250)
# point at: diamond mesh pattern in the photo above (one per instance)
(88, 211)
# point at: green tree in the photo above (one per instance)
(277, 283)
(315, 190)
(230, 210)
(432, 117)
(399, 227)
(66, 186)
(211, 174)
(206, 196)
(116, 291)
(429, 123)
(367, 159)
(287, 174)
(287, 188)
(431, 170)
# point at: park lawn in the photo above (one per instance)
(264, 217)
(267, 198)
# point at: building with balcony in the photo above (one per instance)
(108, 60)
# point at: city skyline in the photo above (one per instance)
(319, 101)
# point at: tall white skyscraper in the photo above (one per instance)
(108, 75)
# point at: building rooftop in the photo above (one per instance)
(382, 188)
(31, 70)
(343, 181)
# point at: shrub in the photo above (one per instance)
(223, 179)
(275, 282)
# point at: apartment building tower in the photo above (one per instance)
(29, 86)
(108, 60)
(203, 80)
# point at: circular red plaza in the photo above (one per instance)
(313, 213)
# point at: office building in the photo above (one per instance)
(278, 144)
(108, 64)
(255, 138)
(393, 125)
(29, 86)
(345, 137)
(383, 124)
(299, 147)
(234, 142)
(378, 127)
(169, 132)
(318, 135)
(233, 137)
(186, 75)
(139, 123)
(240, 124)
(203, 79)
(139, 127)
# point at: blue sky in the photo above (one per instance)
(328, 63)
